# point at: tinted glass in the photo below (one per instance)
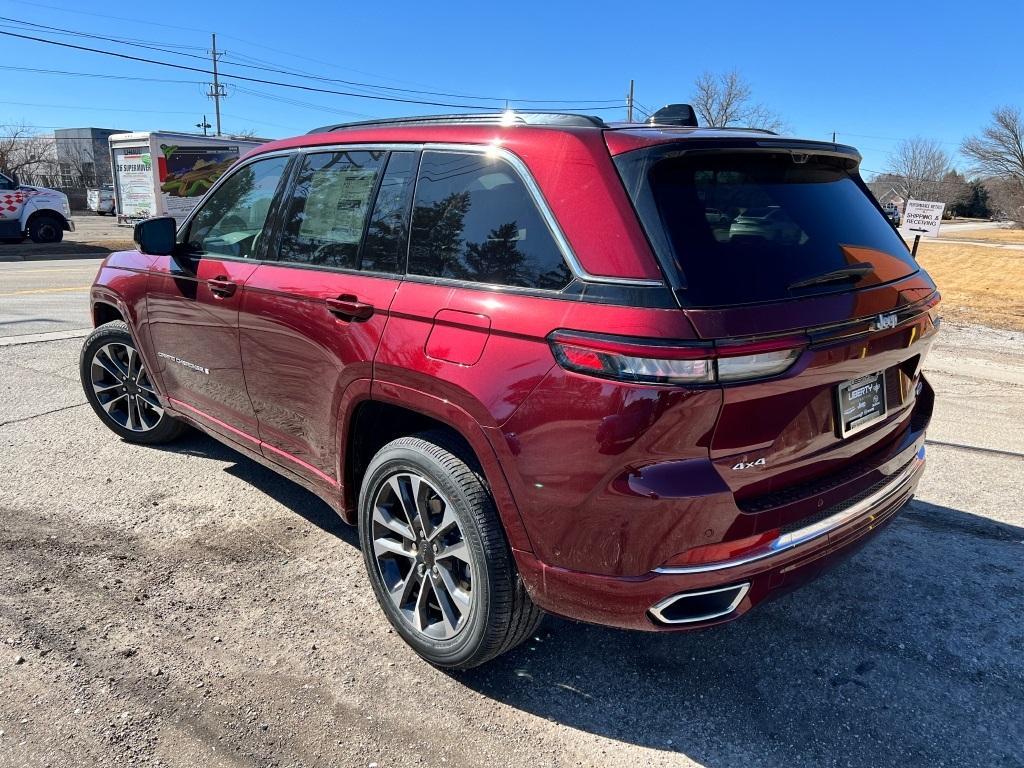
(231, 220)
(328, 211)
(744, 227)
(6, 183)
(384, 246)
(475, 220)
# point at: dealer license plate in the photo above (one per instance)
(860, 403)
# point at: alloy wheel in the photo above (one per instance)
(123, 388)
(422, 556)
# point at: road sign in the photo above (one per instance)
(921, 217)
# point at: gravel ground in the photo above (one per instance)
(186, 607)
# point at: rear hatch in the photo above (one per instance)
(779, 243)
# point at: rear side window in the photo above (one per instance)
(743, 228)
(475, 220)
(386, 234)
(329, 207)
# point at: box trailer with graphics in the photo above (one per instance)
(29, 211)
(167, 174)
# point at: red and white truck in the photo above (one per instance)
(29, 211)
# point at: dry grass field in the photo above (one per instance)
(979, 284)
(1008, 236)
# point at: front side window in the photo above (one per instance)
(231, 221)
(473, 219)
(329, 207)
(5, 183)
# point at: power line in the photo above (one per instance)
(263, 81)
(108, 16)
(104, 76)
(96, 109)
(294, 73)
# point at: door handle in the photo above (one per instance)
(348, 307)
(221, 286)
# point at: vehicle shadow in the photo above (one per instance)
(289, 494)
(910, 653)
(66, 249)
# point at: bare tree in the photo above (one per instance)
(723, 100)
(920, 169)
(998, 155)
(77, 164)
(24, 152)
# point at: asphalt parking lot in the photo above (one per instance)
(183, 606)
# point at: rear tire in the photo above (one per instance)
(437, 556)
(46, 229)
(119, 389)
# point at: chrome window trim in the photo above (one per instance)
(545, 210)
(511, 158)
(816, 530)
(657, 609)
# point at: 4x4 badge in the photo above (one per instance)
(748, 464)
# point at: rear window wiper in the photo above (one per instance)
(852, 273)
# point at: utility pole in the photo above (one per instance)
(216, 89)
(204, 125)
(833, 137)
(629, 104)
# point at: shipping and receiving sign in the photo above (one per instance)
(922, 217)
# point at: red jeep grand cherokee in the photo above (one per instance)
(639, 375)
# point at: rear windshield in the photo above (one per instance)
(744, 227)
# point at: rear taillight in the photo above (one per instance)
(654, 362)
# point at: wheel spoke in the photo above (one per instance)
(444, 602)
(133, 416)
(457, 550)
(392, 547)
(421, 492)
(420, 609)
(402, 591)
(147, 411)
(447, 521)
(131, 361)
(151, 400)
(110, 403)
(404, 495)
(108, 365)
(386, 519)
(100, 389)
(109, 352)
(458, 595)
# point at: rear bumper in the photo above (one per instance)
(728, 588)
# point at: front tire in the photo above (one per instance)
(46, 229)
(119, 389)
(437, 556)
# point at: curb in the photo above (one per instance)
(35, 338)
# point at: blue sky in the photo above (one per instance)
(875, 73)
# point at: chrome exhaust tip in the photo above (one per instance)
(691, 607)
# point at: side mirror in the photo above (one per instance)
(156, 237)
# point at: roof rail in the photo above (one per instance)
(742, 128)
(566, 119)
